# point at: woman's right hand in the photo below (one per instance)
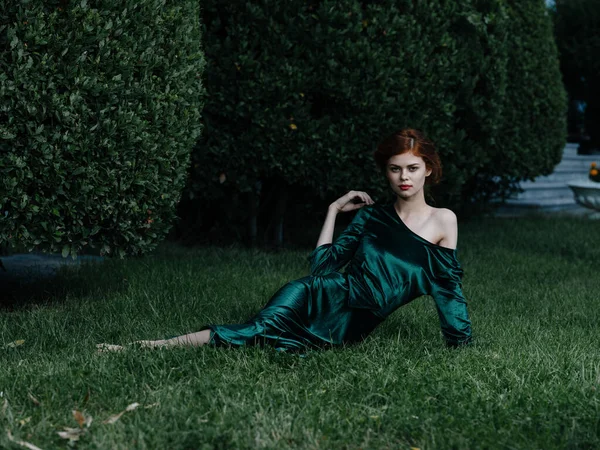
(351, 201)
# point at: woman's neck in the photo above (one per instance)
(414, 207)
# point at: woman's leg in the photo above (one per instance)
(192, 339)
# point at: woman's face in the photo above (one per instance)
(406, 170)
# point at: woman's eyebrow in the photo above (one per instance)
(408, 165)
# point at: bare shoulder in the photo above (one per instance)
(445, 216)
(447, 224)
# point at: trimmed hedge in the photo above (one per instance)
(533, 124)
(535, 112)
(99, 109)
(303, 91)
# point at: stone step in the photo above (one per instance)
(570, 149)
(534, 195)
(550, 193)
(562, 177)
(570, 155)
(576, 165)
(547, 203)
(546, 184)
(582, 169)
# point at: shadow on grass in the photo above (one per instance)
(18, 292)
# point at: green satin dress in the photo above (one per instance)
(387, 266)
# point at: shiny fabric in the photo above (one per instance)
(388, 265)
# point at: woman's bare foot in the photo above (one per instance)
(103, 348)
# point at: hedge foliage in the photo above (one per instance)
(99, 109)
(535, 111)
(533, 106)
(576, 27)
(304, 90)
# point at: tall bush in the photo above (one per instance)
(301, 93)
(532, 129)
(99, 108)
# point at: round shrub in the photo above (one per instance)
(532, 130)
(99, 109)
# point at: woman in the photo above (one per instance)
(395, 253)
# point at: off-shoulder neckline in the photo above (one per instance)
(394, 213)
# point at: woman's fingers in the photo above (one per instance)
(348, 202)
(366, 198)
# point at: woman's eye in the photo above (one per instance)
(412, 169)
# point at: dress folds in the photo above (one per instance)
(387, 265)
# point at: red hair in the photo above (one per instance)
(410, 140)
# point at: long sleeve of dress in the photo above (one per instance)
(452, 307)
(331, 257)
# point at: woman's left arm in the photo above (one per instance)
(451, 306)
(447, 289)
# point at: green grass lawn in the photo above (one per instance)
(530, 381)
